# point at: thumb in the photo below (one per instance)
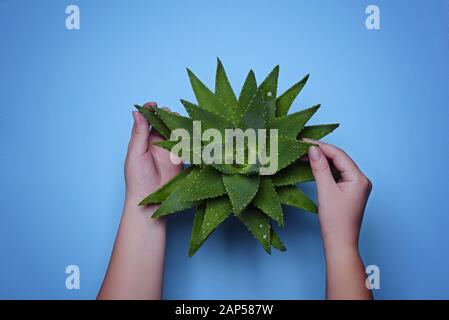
(321, 170)
(138, 144)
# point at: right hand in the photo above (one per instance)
(340, 203)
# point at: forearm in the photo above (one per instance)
(136, 267)
(345, 274)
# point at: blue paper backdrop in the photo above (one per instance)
(65, 117)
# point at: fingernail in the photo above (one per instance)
(314, 153)
(135, 116)
(151, 104)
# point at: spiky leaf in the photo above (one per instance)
(154, 121)
(162, 193)
(267, 201)
(223, 88)
(318, 131)
(241, 190)
(290, 150)
(191, 152)
(196, 240)
(173, 202)
(249, 89)
(290, 125)
(206, 98)
(259, 225)
(174, 121)
(295, 173)
(217, 211)
(209, 120)
(262, 106)
(276, 241)
(255, 114)
(284, 102)
(173, 205)
(268, 90)
(294, 197)
(205, 184)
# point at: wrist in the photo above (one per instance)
(335, 244)
(133, 208)
(138, 193)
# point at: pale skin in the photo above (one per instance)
(136, 266)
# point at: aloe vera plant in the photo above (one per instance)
(219, 191)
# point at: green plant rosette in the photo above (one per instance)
(219, 191)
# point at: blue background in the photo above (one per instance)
(65, 118)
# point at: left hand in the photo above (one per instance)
(147, 166)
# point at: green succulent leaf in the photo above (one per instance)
(206, 221)
(276, 241)
(262, 106)
(190, 154)
(267, 201)
(291, 125)
(206, 98)
(226, 168)
(249, 90)
(255, 114)
(154, 121)
(318, 131)
(268, 91)
(217, 211)
(294, 197)
(258, 224)
(209, 120)
(290, 150)
(196, 240)
(285, 101)
(205, 184)
(174, 121)
(297, 172)
(223, 88)
(173, 203)
(241, 190)
(162, 193)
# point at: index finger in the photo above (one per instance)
(347, 168)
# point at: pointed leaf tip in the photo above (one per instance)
(285, 101)
(206, 98)
(223, 88)
(317, 132)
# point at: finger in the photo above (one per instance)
(150, 105)
(138, 144)
(347, 168)
(321, 170)
(154, 136)
(335, 172)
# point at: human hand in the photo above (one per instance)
(137, 262)
(147, 166)
(340, 203)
